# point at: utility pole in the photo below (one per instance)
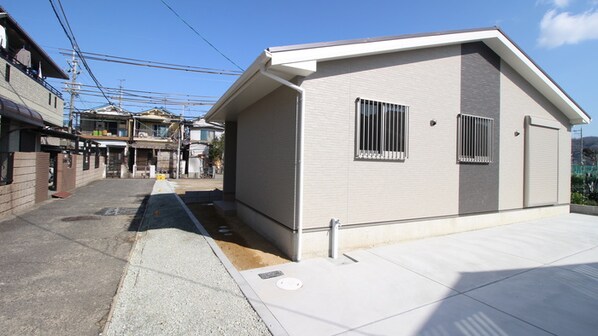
(178, 152)
(72, 89)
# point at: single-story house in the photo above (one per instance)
(396, 138)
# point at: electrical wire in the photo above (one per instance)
(198, 34)
(150, 92)
(71, 37)
(153, 64)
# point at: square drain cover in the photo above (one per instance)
(270, 275)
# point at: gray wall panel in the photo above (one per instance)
(265, 174)
(480, 96)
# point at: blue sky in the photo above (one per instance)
(560, 35)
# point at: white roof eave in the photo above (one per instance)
(303, 61)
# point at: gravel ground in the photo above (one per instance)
(175, 284)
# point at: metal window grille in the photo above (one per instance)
(6, 167)
(474, 137)
(382, 130)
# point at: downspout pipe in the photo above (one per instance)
(299, 165)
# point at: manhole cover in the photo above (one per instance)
(289, 283)
(117, 211)
(80, 218)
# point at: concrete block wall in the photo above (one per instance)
(20, 194)
(84, 177)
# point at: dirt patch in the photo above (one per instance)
(244, 247)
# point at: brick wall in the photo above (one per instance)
(66, 175)
(20, 194)
(84, 177)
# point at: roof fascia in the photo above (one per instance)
(238, 86)
(493, 37)
(333, 52)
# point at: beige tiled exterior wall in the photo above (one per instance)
(25, 91)
(85, 177)
(426, 184)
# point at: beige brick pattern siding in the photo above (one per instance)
(518, 99)
(85, 177)
(265, 155)
(20, 194)
(425, 184)
(25, 91)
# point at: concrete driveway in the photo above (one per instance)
(531, 278)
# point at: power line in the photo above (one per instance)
(198, 34)
(150, 92)
(71, 37)
(153, 64)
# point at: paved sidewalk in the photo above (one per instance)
(533, 278)
(175, 284)
(61, 262)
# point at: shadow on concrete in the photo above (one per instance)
(555, 300)
(163, 211)
(204, 196)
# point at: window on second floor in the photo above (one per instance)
(206, 135)
(7, 73)
(160, 131)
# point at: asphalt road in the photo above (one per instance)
(61, 263)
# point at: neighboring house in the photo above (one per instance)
(201, 135)
(397, 137)
(110, 126)
(31, 112)
(156, 142)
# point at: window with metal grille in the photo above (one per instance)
(474, 143)
(382, 130)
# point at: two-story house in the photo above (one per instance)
(201, 135)
(29, 106)
(110, 126)
(155, 142)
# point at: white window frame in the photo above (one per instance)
(475, 139)
(386, 135)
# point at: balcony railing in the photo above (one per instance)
(31, 73)
(6, 167)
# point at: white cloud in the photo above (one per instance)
(555, 3)
(557, 29)
(561, 3)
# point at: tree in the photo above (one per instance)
(217, 151)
